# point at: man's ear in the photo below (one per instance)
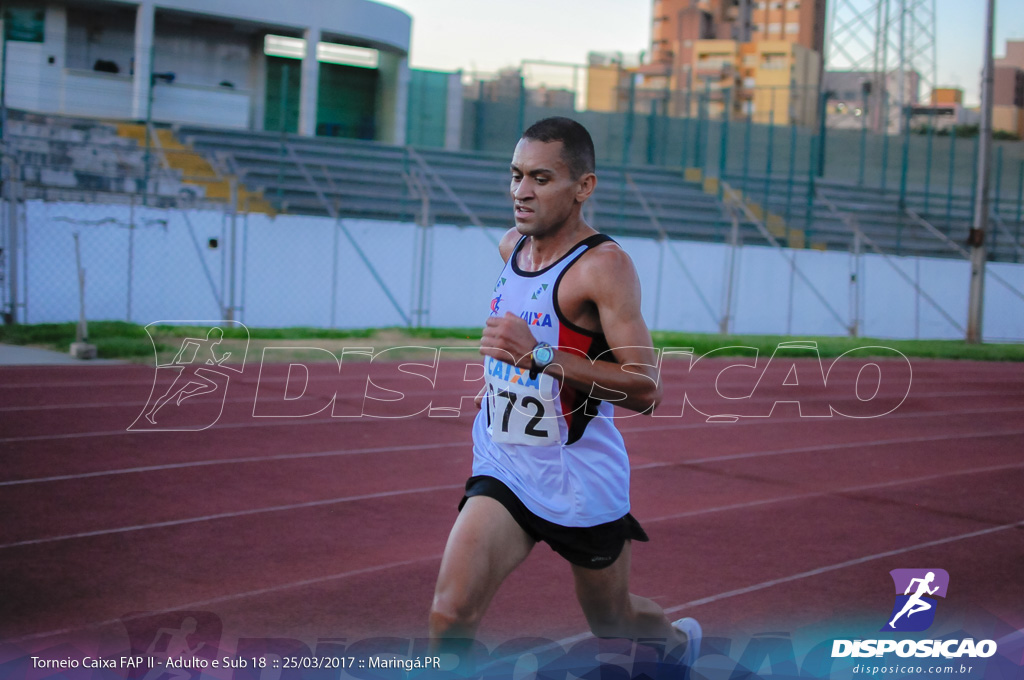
(585, 186)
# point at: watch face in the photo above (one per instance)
(543, 355)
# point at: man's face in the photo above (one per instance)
(542, 187)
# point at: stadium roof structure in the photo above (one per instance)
(202, 62)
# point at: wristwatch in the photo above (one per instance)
(543, 354)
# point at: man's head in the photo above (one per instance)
(552, 175)
(577, 146)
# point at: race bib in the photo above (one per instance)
(520, 410)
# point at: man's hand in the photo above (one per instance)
(508, 338)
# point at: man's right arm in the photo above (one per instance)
(508, 243)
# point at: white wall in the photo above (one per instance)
(87, 93)
(201, 52)
(285, 268)
(32, 81)
(198, 105)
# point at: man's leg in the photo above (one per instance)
(612, 611)
(484, 547)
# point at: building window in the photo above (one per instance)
(792, 27)
(774, 27)
(24, 25)
(793, 4)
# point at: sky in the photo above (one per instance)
(485, 36)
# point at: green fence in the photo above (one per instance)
(935, 167)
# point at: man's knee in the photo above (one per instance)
(453, 616)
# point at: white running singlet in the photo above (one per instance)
(555, 447)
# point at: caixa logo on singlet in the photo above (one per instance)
(536, 318)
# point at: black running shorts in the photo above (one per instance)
(593, 547)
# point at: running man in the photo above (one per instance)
(915, 604)
(548, 463)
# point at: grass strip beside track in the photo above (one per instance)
(121, 340)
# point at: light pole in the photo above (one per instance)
(976, 238)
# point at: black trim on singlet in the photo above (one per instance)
(583, 406)
(590, 241)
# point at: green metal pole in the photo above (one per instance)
(863, 137)
(1020, 196)
(478, 121)
(746, 152)
(999, 177)
(768, 159)
(723, 145)
(665, 123)
(790, 176)
(1020, 189)
(149, 121)
(652, 120)
(282, 112)
(521, 120)
(699, 153)
(974, 174)
(3, 85)
(995, 203)
(686, 121)
(809, 210)
(822, 128)
(885, 137)
(949, 179)
(627, 139)
(905, 113)
(928, 160)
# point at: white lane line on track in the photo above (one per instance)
(417, 447)
(842, 565)
(671, 370)
(231, 515)
(1012, 391)
(298, 422)
(816, 572)
(565, 641)
(448, 487)
(227, 598)
(232, 461)
(819, 447)
(835, 492)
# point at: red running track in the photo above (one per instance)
(318, 527)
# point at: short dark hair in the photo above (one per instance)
(577, 146)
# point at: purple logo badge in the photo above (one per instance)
(916, 590)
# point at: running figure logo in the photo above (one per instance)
(178, 636)
(200, 367)
(914, 609)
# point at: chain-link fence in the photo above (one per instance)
(168, 231)
(144, 264)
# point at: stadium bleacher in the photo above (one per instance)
(71, 159)
(62, 158)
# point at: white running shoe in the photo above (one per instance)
(692, 630)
